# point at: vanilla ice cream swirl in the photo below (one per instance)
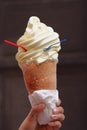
(36, 38)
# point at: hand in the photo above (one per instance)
(30, 122)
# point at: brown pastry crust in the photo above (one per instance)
(39, 76)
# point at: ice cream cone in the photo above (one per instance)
(38, 65)
(39, 76)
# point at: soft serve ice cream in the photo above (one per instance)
(38, 65)
(36, 38)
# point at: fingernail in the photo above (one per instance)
(55, 110)
(59, 102)
(54, 117)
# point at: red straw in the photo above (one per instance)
(14, 44)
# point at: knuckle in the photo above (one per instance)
(59, 124)
(61, 109)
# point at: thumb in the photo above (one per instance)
(30, 121)
(36, 109)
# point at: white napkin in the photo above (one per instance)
(49, 97)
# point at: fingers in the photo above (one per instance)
(58, 114)
(60, 117)
(55, 124)
(58, 110)
(57, 117)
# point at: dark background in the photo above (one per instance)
(68, 18)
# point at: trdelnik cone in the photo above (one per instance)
(38, 64)
(39, 77)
